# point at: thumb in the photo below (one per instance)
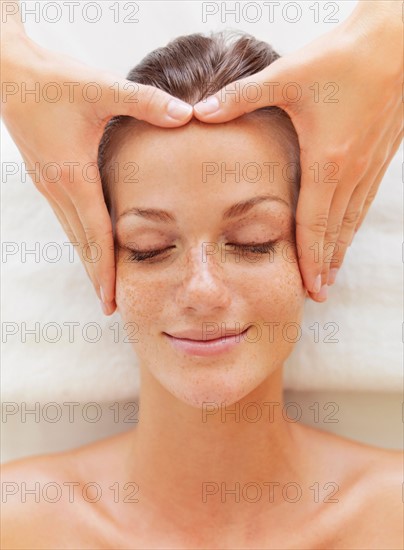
(245, 95)
(144, 102)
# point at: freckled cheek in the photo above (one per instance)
(275, 293)
(138, 299)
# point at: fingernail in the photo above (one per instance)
(332, 275)
(178, 109)
(322, 295)
(104, 304)
(207, 106)
(104, 308)
(102, 294)
(317, 285)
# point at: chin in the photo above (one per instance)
(216, 385)
(211, 401)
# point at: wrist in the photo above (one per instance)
(19, 53)
(373, 33)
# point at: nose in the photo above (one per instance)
(203, 287)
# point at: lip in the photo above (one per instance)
(187, 343)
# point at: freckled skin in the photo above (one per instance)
(183, 291)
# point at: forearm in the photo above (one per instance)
(18, 51)
(376, 26)
(386, 11)
(394, 7)
(11, 24)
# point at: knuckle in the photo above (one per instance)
(333, 232)
(343, 243)
(147, 101)
(370, 197)
(380, 158)
(360, 164)
(350, 218)
(99, 238)
(338, 153)
(91, 235)
(318, 226)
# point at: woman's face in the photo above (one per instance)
(199, 282)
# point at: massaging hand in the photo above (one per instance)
(349, 122)
(68, 131)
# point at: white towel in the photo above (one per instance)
(363, 311)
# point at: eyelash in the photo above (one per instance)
(259, 248)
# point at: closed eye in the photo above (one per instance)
(142, 255)
(255, 248)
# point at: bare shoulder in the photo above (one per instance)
(376, 501)
(370, 507)
(29, 486)
(47, 497)
(381, 487)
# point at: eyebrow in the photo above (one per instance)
(234, 211)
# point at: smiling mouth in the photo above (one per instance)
(187, 342)
(222, 338)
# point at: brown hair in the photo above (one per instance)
(193, 67)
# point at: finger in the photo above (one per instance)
(62, 205)
(375, 186)
(344, 213)
(70, 221)
(319, 296)
(91, 209)
(245, 95)
(82, 201)
(89, 251)
(360, 204)
(146, 103)
(312, 213)
(341, 239)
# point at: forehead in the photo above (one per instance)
(245, 139)
(199, 160)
